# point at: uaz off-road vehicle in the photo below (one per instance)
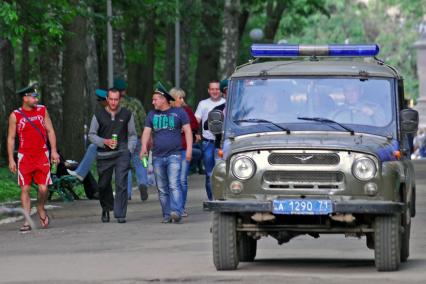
(316, 144)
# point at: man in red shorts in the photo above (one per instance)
(32, 124)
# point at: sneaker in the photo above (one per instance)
(143, 189)
(166, 220)
(74, 174)
(175, 217)
(184, 214)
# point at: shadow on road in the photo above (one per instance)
(309, 263)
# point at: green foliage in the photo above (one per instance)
(296, 17)
(43, 20)
(390, 23)
(9, 20)
(9, 189)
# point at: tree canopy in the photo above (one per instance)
(62, 45)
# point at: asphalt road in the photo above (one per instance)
(78, 248)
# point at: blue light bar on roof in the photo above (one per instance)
(293, 50)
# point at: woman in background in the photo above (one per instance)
(179, 95)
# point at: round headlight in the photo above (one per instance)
(364, 168)
(243, 168)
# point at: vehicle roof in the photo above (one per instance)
(322, 67)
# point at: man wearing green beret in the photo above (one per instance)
(165, 124)
(135, 106)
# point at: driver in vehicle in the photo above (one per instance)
(357, 109)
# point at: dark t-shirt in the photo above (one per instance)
(166, 128)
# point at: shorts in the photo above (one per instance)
(34, 166)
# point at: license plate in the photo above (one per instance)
(303, 207)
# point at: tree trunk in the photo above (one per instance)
(150, 63)
(8, 99)
(118, 55)
(141, 65)
(274, 12)
(50, 61)
(118, 49)
(186, 29)
(208, 49)
(75, 56)
(230, 43)
(169, 63)
(135, 66)
(92, 73)
(100, 42)
(242, 22)
(25, 60)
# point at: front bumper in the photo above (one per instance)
(351, 206)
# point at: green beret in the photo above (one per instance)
(31, 89)
(120, 84)
(101, 94)
(160, 89)
(223, 85)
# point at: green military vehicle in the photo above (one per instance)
(318, 143)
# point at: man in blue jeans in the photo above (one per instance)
(208, 138)
(166, 123)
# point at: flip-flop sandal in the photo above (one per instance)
(25, 228)
(44, 222)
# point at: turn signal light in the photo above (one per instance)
(397, 154)
(220, 153)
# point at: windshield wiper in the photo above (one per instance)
(326, 120)
(256, 120)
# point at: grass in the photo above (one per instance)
(10, 191)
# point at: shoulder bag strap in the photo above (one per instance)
(33, 125)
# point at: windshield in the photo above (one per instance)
(312, 104)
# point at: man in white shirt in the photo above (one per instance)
(208, 138)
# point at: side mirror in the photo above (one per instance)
(215, 121)
(409, 120)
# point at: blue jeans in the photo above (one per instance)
(422, 151)
(209, 158)
(184, 178)
(87, 161)
(140, 171)
(167, 177)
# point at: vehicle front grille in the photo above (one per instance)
(304, 180)
(303, 159)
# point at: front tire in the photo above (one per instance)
(387, 242)
(247, 247)
(405, 236)
(225, 251)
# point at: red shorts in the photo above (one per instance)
(34, 165)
